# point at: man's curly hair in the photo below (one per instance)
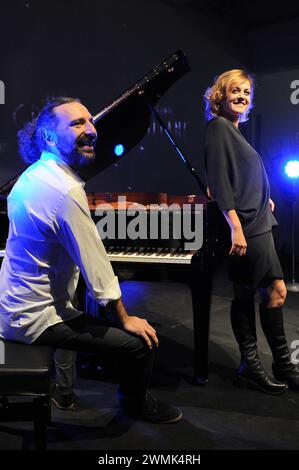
(218, 91)
(31, 138)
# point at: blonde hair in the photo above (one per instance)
(218, 91)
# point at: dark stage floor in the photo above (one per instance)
(218, 416)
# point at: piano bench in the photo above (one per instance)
(25, 371)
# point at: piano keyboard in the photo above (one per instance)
(143, 256)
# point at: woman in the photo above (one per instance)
(238, 182)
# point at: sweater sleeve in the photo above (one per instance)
(219, 153)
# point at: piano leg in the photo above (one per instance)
(201, 283)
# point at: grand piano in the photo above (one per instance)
(126, 120)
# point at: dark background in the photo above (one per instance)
(97, 49)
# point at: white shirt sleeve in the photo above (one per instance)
(79, 236)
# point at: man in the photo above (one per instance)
(52, 237)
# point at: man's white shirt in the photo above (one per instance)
(51, 238)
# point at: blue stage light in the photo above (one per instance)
(292, 168)
(119, 150)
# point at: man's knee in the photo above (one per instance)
(137, 347)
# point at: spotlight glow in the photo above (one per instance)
(292, 169)
(119, 150)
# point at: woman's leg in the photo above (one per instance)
(251, 372)
(271, 312)
(243, 304)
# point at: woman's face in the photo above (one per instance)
(237, 99)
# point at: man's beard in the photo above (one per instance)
(79, 157)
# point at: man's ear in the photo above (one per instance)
(49, 136)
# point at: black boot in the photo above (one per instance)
(251, 373)
(283, 368)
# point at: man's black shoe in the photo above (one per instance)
(64, 399)
(156, 411)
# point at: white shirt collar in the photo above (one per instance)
(46, 155)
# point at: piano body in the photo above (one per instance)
(126, 120)
(160, 260)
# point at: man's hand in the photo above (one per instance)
(272, 205)
(136, 325)
(141, 327)
(239, 244)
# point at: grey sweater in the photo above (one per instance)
(237, 177)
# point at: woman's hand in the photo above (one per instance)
(141, 327)
(239, 244)
(272, 205)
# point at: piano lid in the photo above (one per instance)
(126, 120)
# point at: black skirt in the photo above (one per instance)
(260, 266)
